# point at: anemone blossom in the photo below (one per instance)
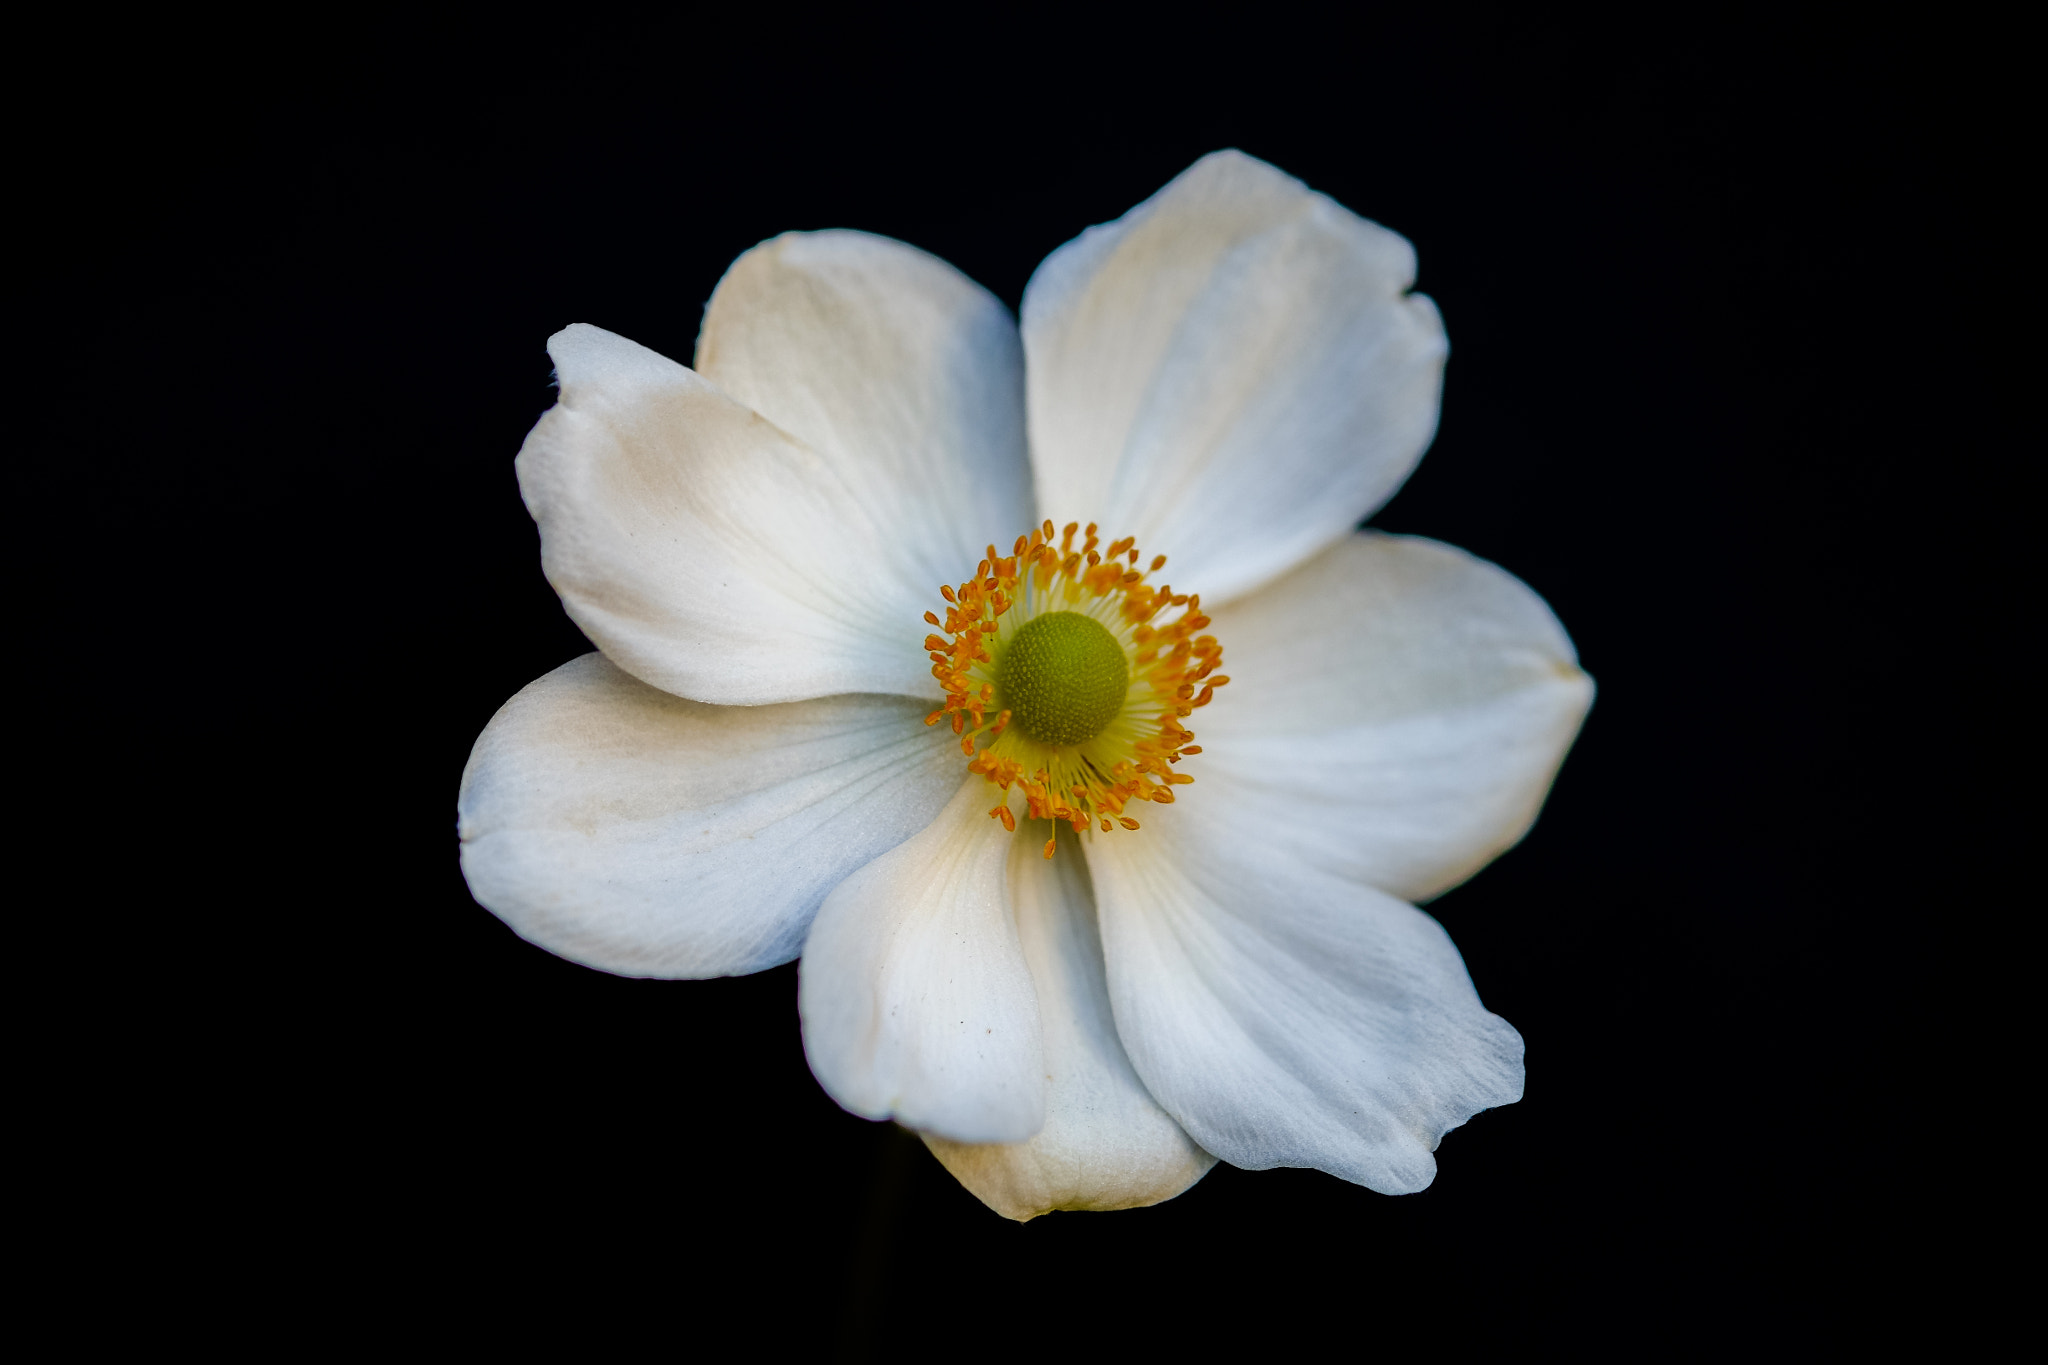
(911, 629)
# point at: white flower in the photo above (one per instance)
(1234, 374)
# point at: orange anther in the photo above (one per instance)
(947, 593)
(1135, 766)
(933, 718)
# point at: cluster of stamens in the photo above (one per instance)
(1088, 771)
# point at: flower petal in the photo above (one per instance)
(1106, 1143)
(907, 377)
(1233, 372)
(1285, 1016)
(915, 998)
(1397, 711)
(646, 835)
(713, 554)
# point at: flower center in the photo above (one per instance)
(1062, 678)
(1067, 675)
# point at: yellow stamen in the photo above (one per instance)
(1085, 756)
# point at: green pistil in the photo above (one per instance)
(1062, 678)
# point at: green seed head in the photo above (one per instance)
(1063, 678)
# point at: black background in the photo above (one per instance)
(285, 315)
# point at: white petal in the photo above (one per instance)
(905, 374)
(646, 835)
(713, 554)
(1396, 712)
(1233, 372)
(1106, 1143)
(915, 998)
(1288, 1017)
